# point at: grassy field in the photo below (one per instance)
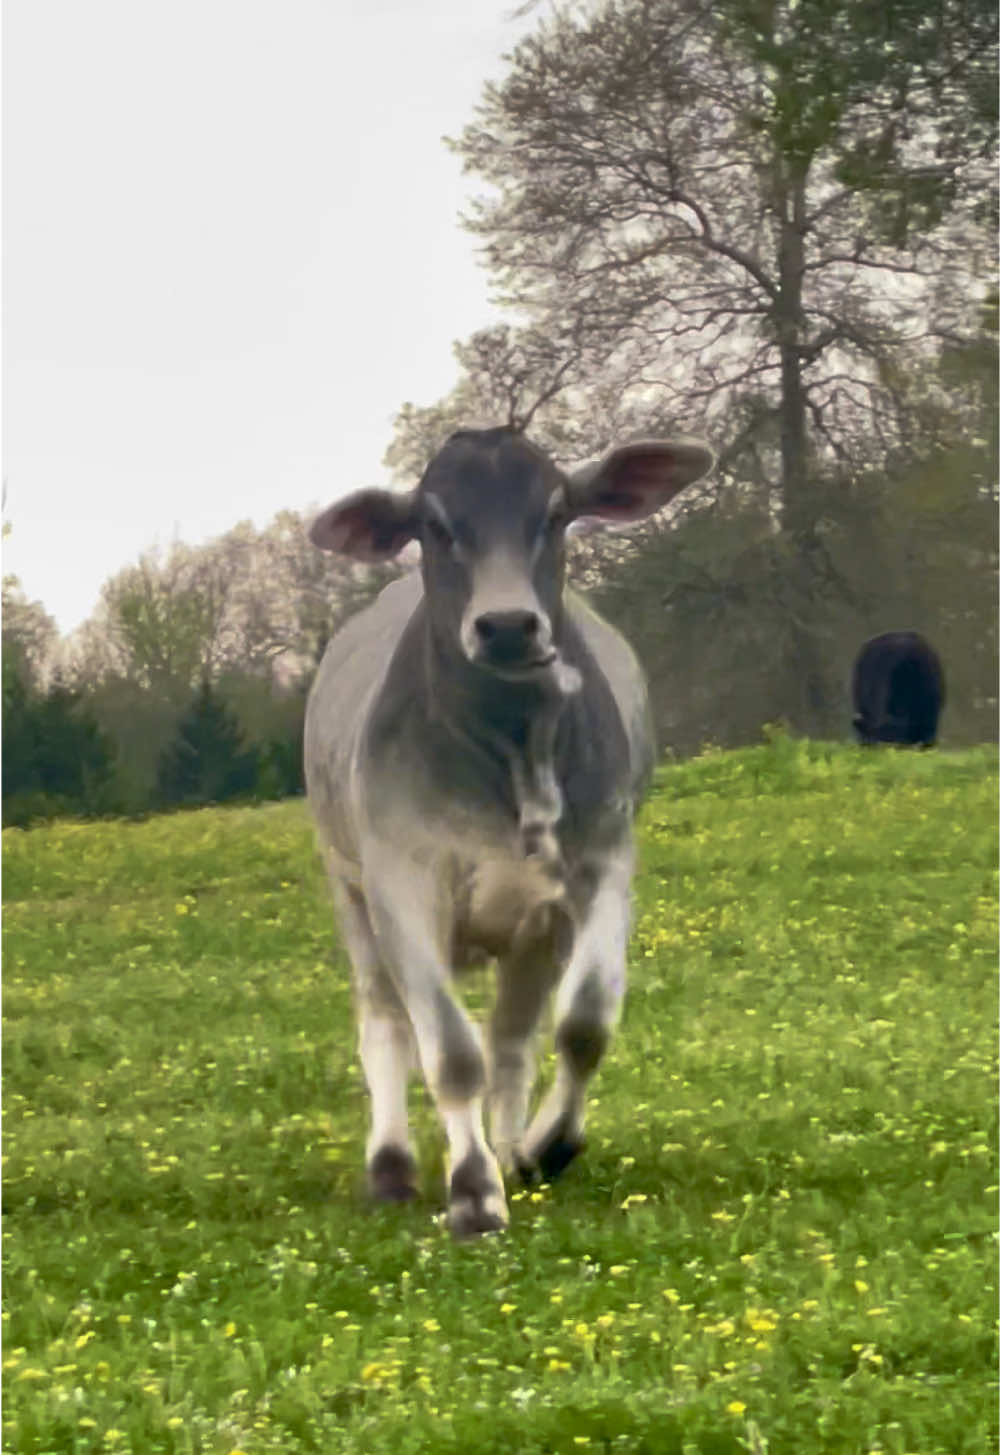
(780, 1239)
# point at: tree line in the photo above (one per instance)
(771, 224)
(186, 686)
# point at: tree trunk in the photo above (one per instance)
(807, 662)
(789, 329)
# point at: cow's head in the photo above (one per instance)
(491, 514)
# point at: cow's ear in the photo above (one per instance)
(370, 525)
(634, 480)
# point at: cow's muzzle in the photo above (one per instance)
(513, 641)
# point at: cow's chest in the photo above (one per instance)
(513, 830)
(511, 907)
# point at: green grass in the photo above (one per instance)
(780, 1239)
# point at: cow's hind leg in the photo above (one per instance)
(587, 1007)
(386, 1046)
(524, 982)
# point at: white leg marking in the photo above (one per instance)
(386, 1045)
(385, 1038)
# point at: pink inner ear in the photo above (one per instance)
(647, 475)
(617, 505)
(350, 535)
(370, 526)
(638, 485)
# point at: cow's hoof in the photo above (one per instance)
(473, 1216)
(392, 1175)
(551, 1156)
(475, 1199)
(529, 1172)
(555, 1157)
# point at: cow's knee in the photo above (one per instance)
(583, 1042)
(461, 1071)
(583, 1032)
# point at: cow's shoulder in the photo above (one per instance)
(614, 704)
(357, 658)
(613, 657)
(373, 632)
(347, 684)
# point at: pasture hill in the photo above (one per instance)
(780, 1237)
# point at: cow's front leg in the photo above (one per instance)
(455, 1072)
(588, 1002)
(386, 1046)
(526, 975)
(448, 1046)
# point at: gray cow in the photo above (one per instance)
(476, 742)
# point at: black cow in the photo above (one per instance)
(898, 690)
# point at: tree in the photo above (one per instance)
(56, 759)
(769, 221)
(250, 613)
(307, 593)
(753, 210)
(29, 633)
(206, 762)
(160, 622)
(719, 606)
(255, 602)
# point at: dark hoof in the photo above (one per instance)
(557, 1154)
(475, 1201)
(472, 1218)
(392, 1175)
(528, 1172)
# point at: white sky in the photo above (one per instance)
(230, 253)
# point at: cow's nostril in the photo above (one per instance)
(507, 626)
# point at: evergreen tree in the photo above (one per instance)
(56, 759)
(206, 761)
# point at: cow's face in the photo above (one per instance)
(491, 514)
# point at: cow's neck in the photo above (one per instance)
(537, 796)
(517, 727)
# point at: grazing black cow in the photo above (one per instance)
(476, 741)
(898, 690)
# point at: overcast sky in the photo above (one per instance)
(230, 253)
